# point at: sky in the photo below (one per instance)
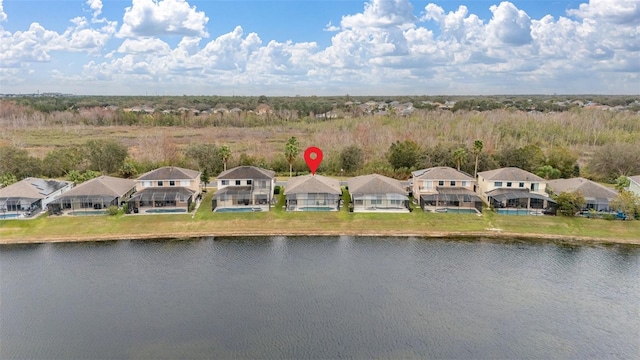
(319, 47)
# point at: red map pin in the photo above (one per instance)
(313, 157)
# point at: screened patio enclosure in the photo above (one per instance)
(19, 204)
(451, 198)
(313, 202)
(82, 202)
(238, 197)
(371, 202)
(515, 199)
(159, 197)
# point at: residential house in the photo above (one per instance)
(377, 193)
(92, 196)
(28, 197)
(164, 190)
(312, 193)
(445, 189)
(634, 184)
(513, 191)
(244, 188)
(597, 197)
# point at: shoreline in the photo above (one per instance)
(489, 235)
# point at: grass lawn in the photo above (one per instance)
(279, 222)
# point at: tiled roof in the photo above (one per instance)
(103, 185)
(510, 174)
(441, 173)
(170, 173)
(374, 184)
(588, 188)
(32, 188)
(635, 179)
(312, 184)
(247, 172)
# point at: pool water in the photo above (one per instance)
(241, 209)
(318, 208)
(457, 211)
(88, 213)
(165, 211)
(9, 216)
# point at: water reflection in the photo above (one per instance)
(318, 297)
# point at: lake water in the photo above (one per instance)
(318, 297)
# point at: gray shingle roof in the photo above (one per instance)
(247, 172)
(441, 173)
(32, 188)
(103, 185)
(312, 184)
(170, 173)
(635, 178)
(588, 188)
(375, 184)
(509, 174)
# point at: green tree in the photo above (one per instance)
(7, 179)
(351, 158)
(548, 172)
(527, 158)
(569, 203)
(459, 156)
(628, 203)
(225, 155)
(622, 182)
(613, 160)
(564, 160)
(405, 154)
(291, 150)
(129, 168)
(205, 157)
(105, 156)
(18, 162)
(58, 162)
(476, 150)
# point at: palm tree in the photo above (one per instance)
(291, 150)
(225, 154)
(459, 156)
(477, 149)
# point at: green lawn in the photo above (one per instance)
(279, 222)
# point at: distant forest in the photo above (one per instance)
(594, 136)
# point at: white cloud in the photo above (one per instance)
(96, 7)
(331, 28)
(612, 11)
(382, 13)
(164, 17)
(3, 15)
(509, 24)
(144, 46)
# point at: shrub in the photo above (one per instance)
(112, 210)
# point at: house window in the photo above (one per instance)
(497, 184)
(521, 185)
(185, 183)
(238, 182)
(441, 183)
(452, 183)
(509, 184)
(428, 184)
(225, 182)
(160, 183)
(535, 186)
(172, 183)
(249, 182)
(146, 184)
(465, 184)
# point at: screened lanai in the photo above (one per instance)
(73, 203)
(389, 201)
(451, 198)
(161, 197)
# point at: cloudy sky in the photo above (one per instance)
(319, 47)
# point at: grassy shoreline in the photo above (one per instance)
(204, 223)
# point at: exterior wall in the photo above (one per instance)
(313, 201)
(634, 187)
(430, 186)
(193, 184)
(380, 203)
(485, 186)
(54, 195)
(260, 195)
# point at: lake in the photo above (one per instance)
(319, 297)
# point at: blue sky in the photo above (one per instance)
(311, 47)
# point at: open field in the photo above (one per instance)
(205, 223)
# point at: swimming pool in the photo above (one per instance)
(519, 212)
(88, 213)
(9, 216)
(165, 211)
(241, 209)
(317, 208)
(457, 211)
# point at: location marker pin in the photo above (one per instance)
(313, 157)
